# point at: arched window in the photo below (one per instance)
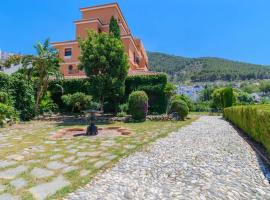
(70, 69)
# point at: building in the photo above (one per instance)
(3, 56)
(192, 91)
(98, 18)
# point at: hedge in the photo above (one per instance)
(153, 85)
(253, 120)
(21, 93)
(68, 86)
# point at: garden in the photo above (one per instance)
(37, 105)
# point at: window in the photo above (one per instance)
(70, 69)
(68, 52)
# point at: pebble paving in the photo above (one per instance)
(205, 160)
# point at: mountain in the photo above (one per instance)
(205, 69)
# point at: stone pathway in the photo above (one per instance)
(205, 160)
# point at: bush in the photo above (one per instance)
(184, 98)
(7, 114)
(138, 105)
(202, 106)
(68, 86)
(253, 120)
(21, 94)
(5, 98)
(223, 98)
(77, 102)
(123, 107)
(121, 114)
(47, 105)
(24, 97)
(153, 86)
(180, 107)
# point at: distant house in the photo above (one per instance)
(3, 56)
(192, 91)
(97, 18)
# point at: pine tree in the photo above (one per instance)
(114, 28)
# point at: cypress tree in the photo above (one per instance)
(114, 28)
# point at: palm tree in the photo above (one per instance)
(45, 66)
(41, 67)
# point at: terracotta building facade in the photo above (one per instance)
(97, 18)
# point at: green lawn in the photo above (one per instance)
(29, 145)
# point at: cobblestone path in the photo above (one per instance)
(204, 160)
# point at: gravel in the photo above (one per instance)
(204, 160)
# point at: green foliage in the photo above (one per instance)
(170, 90)
(228, 97)
(20, 94)
(253, 120)
(47, 105)
(77, 102)
(24, 97)
(153, 86)
(265, 87)
(223, 97)
(7, 113)
(123, 107)
(180, 107)
(138, 105)
(61, 87)
(206, 93)
(104, 61)
(205, 69)
(202, 106)
(244, 98)
(5, 98)
(249, 87)
(114, 28)
(121, 114)
(186, 99)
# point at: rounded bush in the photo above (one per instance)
(180, 107)
(138, 105)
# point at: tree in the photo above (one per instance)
(223, 98)
(169, 90)
(114, 28)
(41, 67)
(265, 87)
(105, 63)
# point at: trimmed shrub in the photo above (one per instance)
(7, 114)
(254, 120)
(223, 98)
(68, 86)
(184, 98)
(153, 86)
(138, 105)
(77, 102)
(180, 107)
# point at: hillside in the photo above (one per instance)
(205, 69)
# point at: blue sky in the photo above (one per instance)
(234, 29)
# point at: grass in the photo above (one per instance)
(34, 137)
